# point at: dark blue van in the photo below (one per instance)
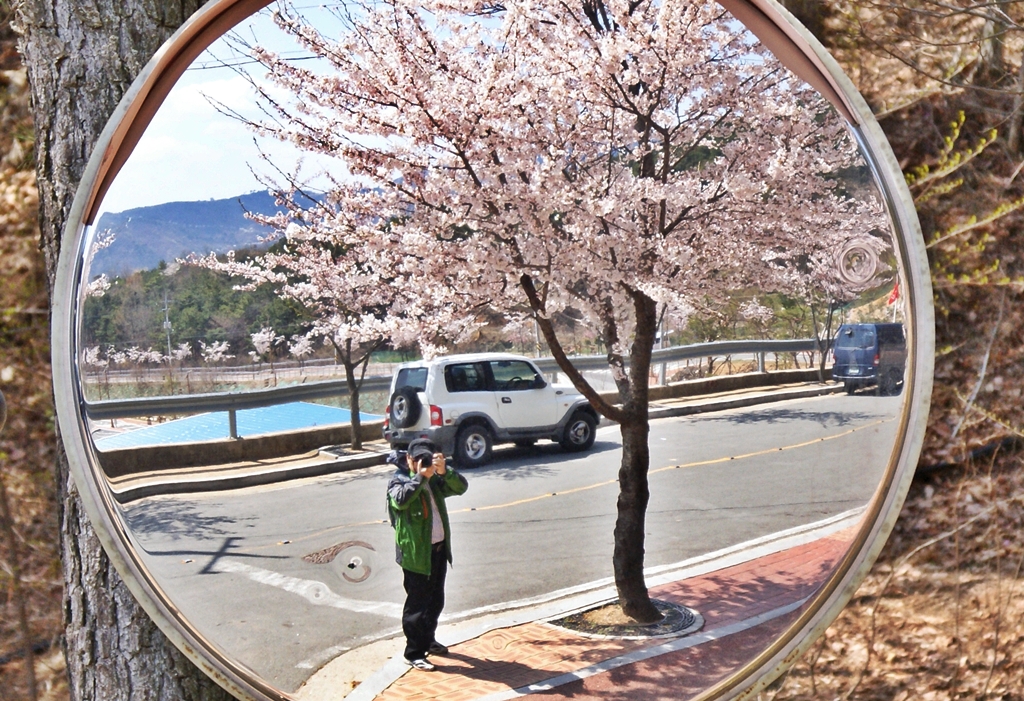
(870, 354)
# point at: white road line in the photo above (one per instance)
(323, 657)
(316, 593)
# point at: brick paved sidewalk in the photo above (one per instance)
(748, 604)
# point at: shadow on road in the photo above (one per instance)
(781, 416)
(175, 520)
(227, 548)
(538, 460)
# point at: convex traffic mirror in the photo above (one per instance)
(647, 271)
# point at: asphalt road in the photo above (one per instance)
(533, 522)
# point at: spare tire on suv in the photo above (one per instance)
(405, 407)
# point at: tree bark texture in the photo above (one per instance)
(355, 422)
(81, 57)
(634, 492)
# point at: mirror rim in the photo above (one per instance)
(123, 131)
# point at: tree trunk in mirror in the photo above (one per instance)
(634, 493)
(81, 56)
(632, 417)
(355, 384)
(628, 554)
(355, 422)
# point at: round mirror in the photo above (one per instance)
(645, 273)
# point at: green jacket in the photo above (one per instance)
(412, 518)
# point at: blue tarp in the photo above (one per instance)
(250, 422)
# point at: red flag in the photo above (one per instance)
(895, 294)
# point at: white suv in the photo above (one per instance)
(466, 404)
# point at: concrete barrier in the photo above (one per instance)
(225, 451)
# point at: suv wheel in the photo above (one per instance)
(580, 432)
(473, 446)
(850, 387)
(405, 408)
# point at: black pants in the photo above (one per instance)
(423, 604)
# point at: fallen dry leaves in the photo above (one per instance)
(941, 615)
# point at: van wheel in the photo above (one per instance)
(405, 408)
(579, 433)
(473, 446)
(850, 387)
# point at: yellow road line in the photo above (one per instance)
(768, 451)
(576, 490)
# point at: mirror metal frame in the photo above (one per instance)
(795, 47)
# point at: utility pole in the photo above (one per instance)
(167, 324)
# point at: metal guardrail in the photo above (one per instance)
(225, 401)
(697, 350)
(234, 401)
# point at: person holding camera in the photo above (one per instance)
(416, 499)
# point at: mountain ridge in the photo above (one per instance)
(146, 236)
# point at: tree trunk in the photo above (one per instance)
(355, 423)
(634, 493)
(1013, 138)
(81, 56)
(355, 385)
(991, 65)
(634, 424)
(630, 524)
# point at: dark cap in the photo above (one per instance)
(421, 449)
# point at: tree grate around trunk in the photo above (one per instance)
(607, 621)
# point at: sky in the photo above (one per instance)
(190, 151)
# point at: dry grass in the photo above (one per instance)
(941, 616)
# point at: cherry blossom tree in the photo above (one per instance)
(616, 158)
(360, 297)
(181, 353)
(263, 341)
(300, 346)
(215, 352)
(758, 314)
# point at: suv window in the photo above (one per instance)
(412, 377)
(465, 377)
(514, 375)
